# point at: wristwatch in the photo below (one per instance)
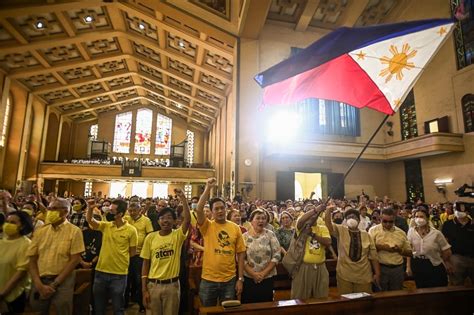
(241, 279)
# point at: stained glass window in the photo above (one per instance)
(190, 138)
(463, 33)
(123, 130)
(143, 131)
(94, 132)
(408, 117)
(468, 112)
(5, 122)
(414, 180)
(163, 135)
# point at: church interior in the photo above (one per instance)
(111, 98)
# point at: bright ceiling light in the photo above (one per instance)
(88, 19)
(181, 44)
(141, 26)
(40, 25)
(282, 126)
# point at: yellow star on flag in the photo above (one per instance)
(361, 55)
(442, 30)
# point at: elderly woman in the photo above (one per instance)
(263, 254)
(14, 280)
(357, 254)
(285, 233)
(431, 260)
(234, 216)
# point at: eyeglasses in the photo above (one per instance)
(387, 221)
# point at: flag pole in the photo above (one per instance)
(341, 182)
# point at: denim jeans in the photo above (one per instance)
(210, 292)
(108, 285)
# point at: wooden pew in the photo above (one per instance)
(433, 301)
(281, 285)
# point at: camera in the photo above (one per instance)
(465, 191)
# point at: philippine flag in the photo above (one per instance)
(372, 66)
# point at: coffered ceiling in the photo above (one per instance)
(90, 57)
(331, 14)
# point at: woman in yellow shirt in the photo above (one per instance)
(14, 262)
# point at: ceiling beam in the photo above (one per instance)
(255, 18)
(353, 12)
(307, 15)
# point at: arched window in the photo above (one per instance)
(6, 120)
(163, 135)
(143, 131)
(190, 138)
(123, 131)
(467, 103)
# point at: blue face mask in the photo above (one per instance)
(194, 206)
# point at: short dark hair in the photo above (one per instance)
(167, 210)
(231, 212)
(352, 211)
(26, 222)
(388, 211)
(82, 201)
(421, 209)
(214, 200)
(121, 205)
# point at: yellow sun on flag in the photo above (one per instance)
(397, 63)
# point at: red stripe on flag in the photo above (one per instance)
(340, 79)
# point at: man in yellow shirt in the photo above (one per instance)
(119, 243)
(392, 245)
(54, 252)
(144, 227)
(223, 241)
(311, 280)
(161, 255)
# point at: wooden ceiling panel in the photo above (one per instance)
(84, 60)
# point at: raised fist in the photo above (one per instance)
(211, 182)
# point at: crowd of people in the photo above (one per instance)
(139, 249)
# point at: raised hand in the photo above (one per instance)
(211, 182)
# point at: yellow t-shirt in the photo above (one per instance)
(315, 253)
(164, 253)
(221, 243)
(143, 226)
(55, 246)
(13, 259)
(115, 251)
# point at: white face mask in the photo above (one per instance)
(420, 221)
(352, 223)
(105, 209)
(460, 214)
